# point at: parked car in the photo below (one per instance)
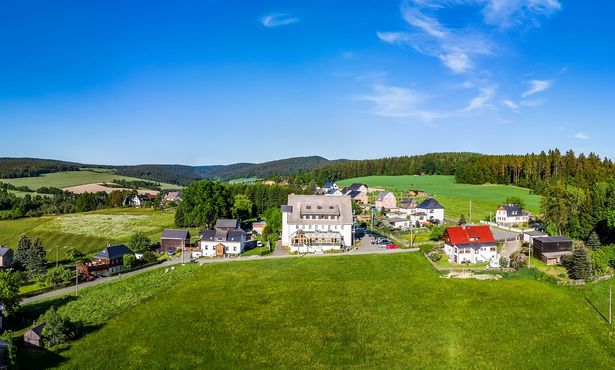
(171, 252)
(391, 246)
(259, 243)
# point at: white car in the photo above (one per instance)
(259, 243)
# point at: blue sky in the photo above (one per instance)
(217, 82)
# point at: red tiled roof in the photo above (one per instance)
(459, 235)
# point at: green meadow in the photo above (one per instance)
(88, 232)
(453, 196)
(370, 311)
(73, 178)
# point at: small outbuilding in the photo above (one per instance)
(551, 249)
(34, 336)
(174, 239)
(6, 257)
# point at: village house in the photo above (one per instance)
(106, 262)
(34, 336)
(433, 210)
(358, 196)
(172, 197)
(386, 200)
(138, 200)
(470, 244)
(407, 206)
(227, 239)
(333, 192)
(6, 257)
(258, 227)
(511, 214)
(174, 239)
(315, 223)
(329, 185)
(363, 188)
(551, 249)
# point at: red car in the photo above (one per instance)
(391, 246)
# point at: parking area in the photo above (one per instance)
(368, 243)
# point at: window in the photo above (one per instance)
(308, 207)
(234, 249)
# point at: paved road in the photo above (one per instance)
(102, 280)
(365, 247)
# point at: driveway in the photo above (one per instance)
(502, 235)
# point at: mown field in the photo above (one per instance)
(72, 178)
(88, 232)
(372, 311)
(453, 196)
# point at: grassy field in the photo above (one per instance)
(243, 180)
(373, 311)
(87, 232)
(453, 196)
(72, 178)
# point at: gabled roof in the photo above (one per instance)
(328, 184)
(407, 203)
(430, 203)
(4, 251)
(356, 186)
(383, 194)
(226, 223)
(512, 210)
(354, 193)
(461, 235)
(175, 234)
(223, 235)
(113, 252)
(38, 330)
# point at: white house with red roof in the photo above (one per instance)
(470, 244)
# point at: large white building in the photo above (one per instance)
(470, 244)
(433, 210)
(317, 223)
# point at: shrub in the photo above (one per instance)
(504, 261)
(57, 328)
(149, 257)
(435, 256)
(427, 248)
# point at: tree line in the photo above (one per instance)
(30, 167)
(205, 201)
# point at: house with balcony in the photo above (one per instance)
(511, 214)
(107, 262)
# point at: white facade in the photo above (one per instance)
(505, 218)
(315, 223)
(208, 248)
(433, 214)
(471, 253)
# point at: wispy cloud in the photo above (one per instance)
(278, 19)
(459, 48)
(581, 136)
(536, 86)
(508, 13)
(510, 104)
(398, 102)
(481, 100)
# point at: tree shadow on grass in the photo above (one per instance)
(29, 313)
(597, 310)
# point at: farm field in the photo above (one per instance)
(72, 178)
(372, 311)
(243, 180)
(453, 196)
(88, 232)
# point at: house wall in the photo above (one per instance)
(289, 230)
(172, 244)
(433, 214)
(208, 248)
(314, 248)
(475, 255)
(387, 202)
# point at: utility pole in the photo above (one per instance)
(610, 304)
(57, 247)
(470, 211)
(529, 259)
(76, 281)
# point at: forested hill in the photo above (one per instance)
(175, 174)
(29, 167)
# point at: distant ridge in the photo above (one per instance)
(171, 173)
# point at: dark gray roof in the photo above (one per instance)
(226, 223)
(4, 250)
(535, 233)
(430, 203)
(553, 239)
(328, 184)
(396, 219)
(113, 252)
(38, 329)
(222, 235)
(175, 234)
(356, 186)
(513, 210)
(354, 193)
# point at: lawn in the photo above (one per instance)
(453, 196)
(372, 311)
(88, 232)
(72, 178)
